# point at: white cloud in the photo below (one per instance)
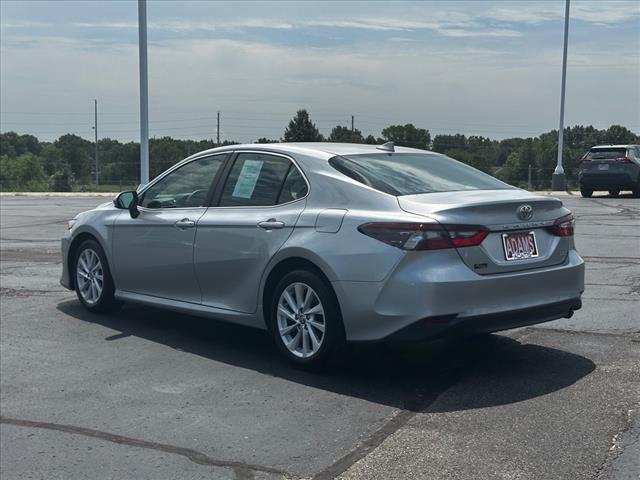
(598, 12)
(105, 24)
(610, 12)
(497, 32)
(445, 28)
(190, 25)
(445, 89)
(442, 85)
(24, 24)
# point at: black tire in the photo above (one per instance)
(585, 192)
(636, 190)
(106, 301)
(332, 346)
(614, 193)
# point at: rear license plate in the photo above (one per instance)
(603, 166)
(519, 246)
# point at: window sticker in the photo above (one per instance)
(248, 178)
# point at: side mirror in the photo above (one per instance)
(128, 201)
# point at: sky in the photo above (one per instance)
(472, 67)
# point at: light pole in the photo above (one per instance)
(558, 180)
(95, 128)
(144, 92)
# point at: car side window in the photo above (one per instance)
(294, 186)
(186, 187)
(258, 179)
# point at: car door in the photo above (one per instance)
(153, 253)
(253, 214)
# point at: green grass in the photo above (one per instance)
(104, 188)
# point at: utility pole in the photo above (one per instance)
(558, 180)
(95, 131)
(218, 132)
(144, 92)
(352, 129)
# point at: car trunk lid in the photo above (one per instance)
(501, 213)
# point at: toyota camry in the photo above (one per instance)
(324, 244)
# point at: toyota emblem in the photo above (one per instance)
(525, 212)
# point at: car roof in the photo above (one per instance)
(615, 146)
(322, 149)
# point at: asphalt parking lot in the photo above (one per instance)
(153, 394)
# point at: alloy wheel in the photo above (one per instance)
(89, 276)
(301, 320)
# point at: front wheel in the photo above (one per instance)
(306, 320)
(586, 193)
(93, 282)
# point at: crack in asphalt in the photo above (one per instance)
(611, 299)
(6, 270)
(398, 421)
(620, 333)
(24, 292)
(615, 450)
(28, 225)
(402, 418)
(622, 208)
(395, 423)
(28, 240)
(609, 260)
(242, 471)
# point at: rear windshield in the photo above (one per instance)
(413, 173)
(606, 153)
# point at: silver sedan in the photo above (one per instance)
(324, 244)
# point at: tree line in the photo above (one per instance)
(68, 164)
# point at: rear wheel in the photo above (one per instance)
(94, 285)
(586, 193)
(614, 193)
(306, 320)
(636, 190)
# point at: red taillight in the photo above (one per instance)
(424, 236)
(624, 160)
(564, 226)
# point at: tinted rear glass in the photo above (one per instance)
(607, 153)
(413, 173)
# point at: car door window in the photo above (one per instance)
(186, 187)
(258, 179)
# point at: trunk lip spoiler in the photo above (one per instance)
(520, 226)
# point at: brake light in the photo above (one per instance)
(564, 226)
(624, 160)
(425, 236)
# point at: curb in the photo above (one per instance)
(58, 194)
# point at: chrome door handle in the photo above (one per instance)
(185, 223)
(271, 224)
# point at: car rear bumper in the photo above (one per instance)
(607, 181)
(439, 294)
(435, 327)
